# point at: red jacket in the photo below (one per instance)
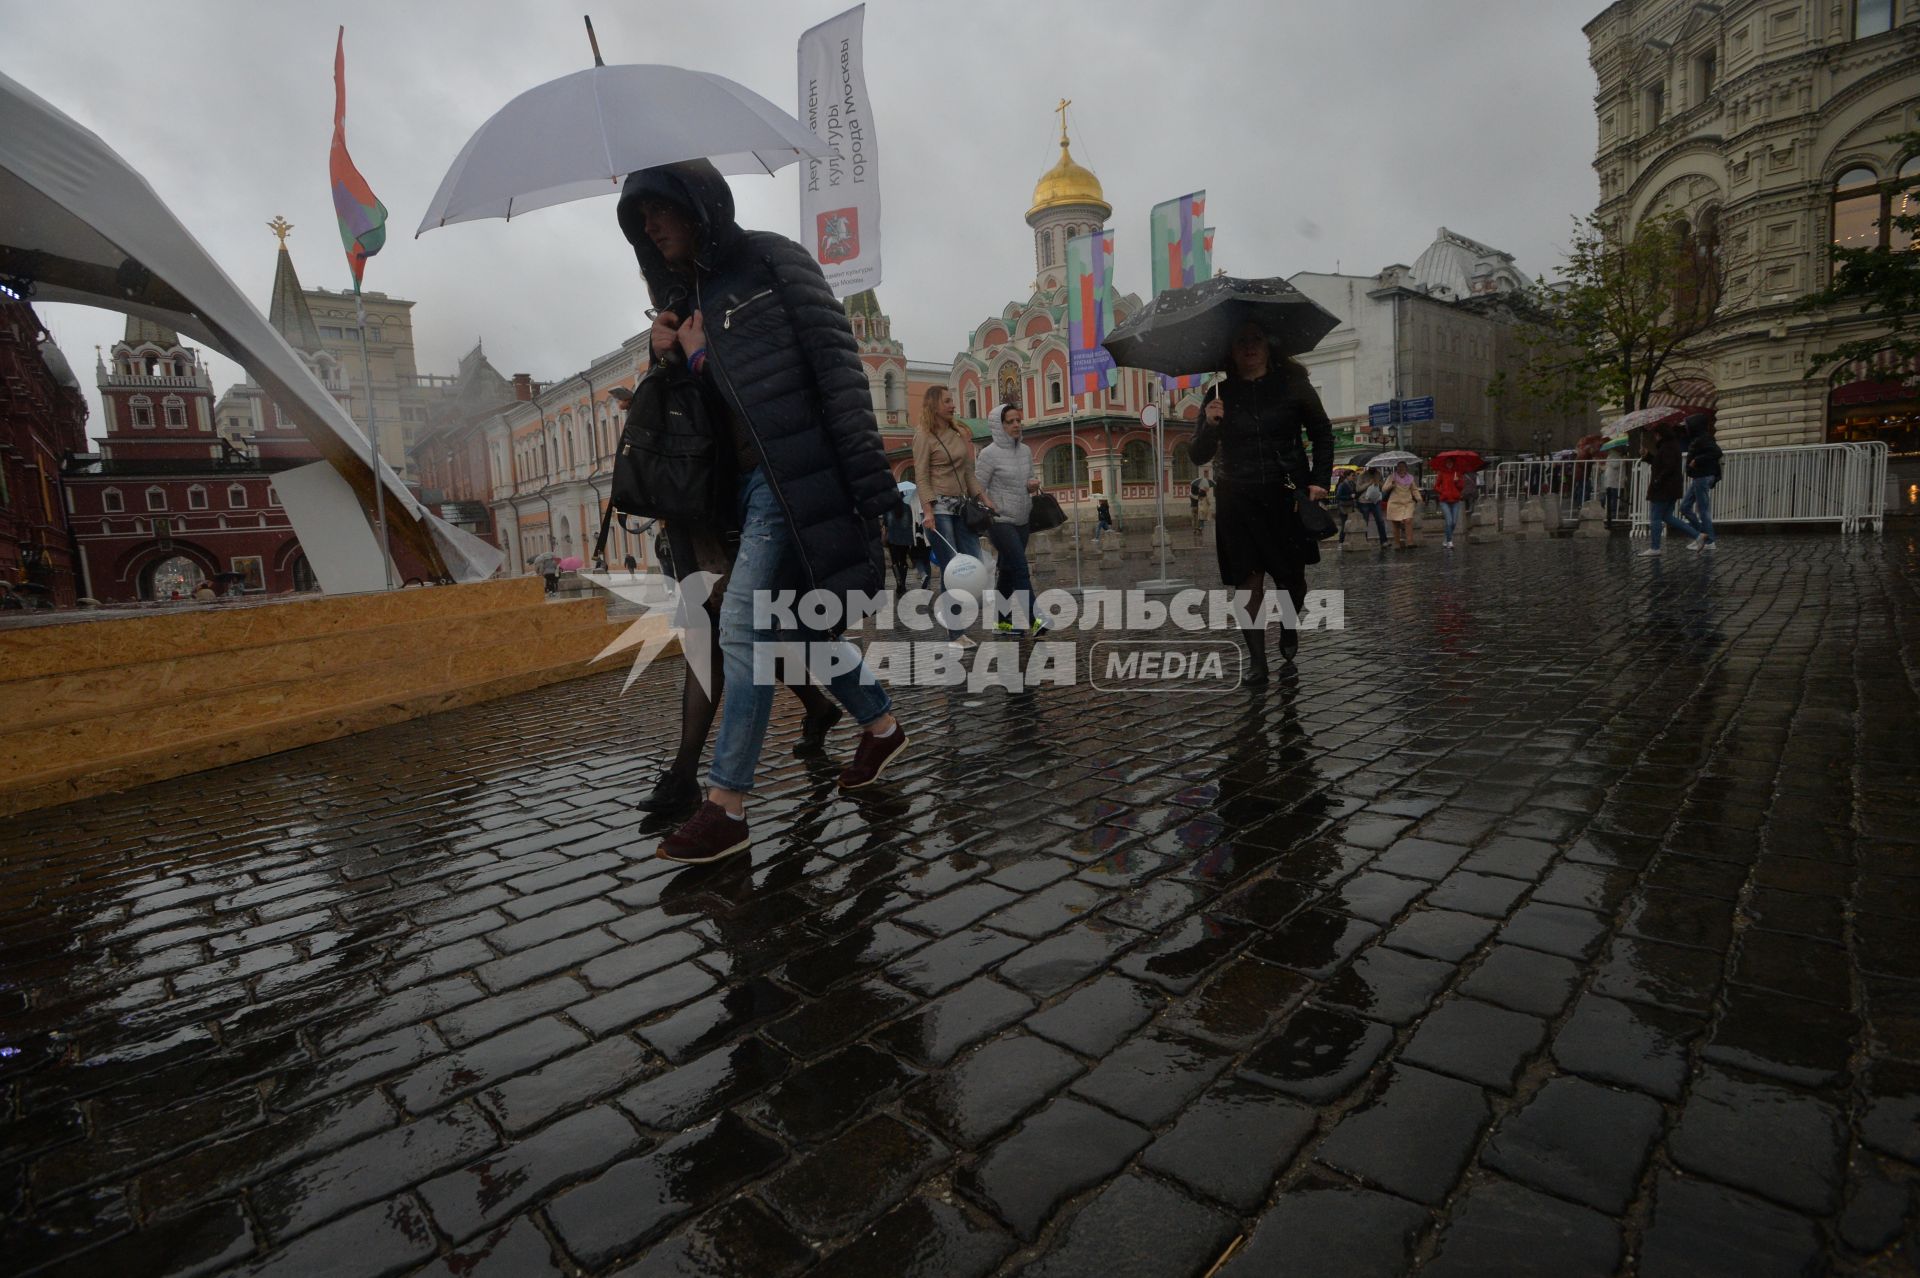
(1446, 485)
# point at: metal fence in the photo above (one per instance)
(1842, 484)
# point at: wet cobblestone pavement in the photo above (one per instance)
(1559, 916)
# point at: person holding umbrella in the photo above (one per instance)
(1451, 470)
(1403, 500)
(813, 478)
(1256, 431)
(1664, 484)
(1371, 497)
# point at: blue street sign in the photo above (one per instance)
(1381, 414)
(1417, 410)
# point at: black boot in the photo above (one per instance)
(817, 722)
(674, 792)
(1289, 643)
(1256, 641)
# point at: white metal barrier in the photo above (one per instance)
(1796, 484)
(1552, 492)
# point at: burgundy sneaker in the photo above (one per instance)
(872, 758)
(709, 835)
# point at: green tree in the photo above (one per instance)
(1884, 282)
(1626, 308)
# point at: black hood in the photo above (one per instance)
(694, 185)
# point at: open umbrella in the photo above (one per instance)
(1462, 460)
(1393, 457)
(1187, 330)
(578, 136)
(1619, 426)
(1617, 445)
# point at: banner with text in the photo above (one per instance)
(1089, 310)
(840, 198)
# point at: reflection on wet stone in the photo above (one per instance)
(1240, 1002)
(738, 1237)
(699, 1027)
(854, 1177)
(922, 1238)
(1314, 942)
(986, 1091)
(1137, 1228)
(1413, 1136)
(1098, 1015)
(813, 1102)
(1060, 1151)
(1578, 1141)
(1524, 980)
(1231, 1143)
(1703, 1230)
(1637, 1046)
(1330, 1229)
(1318, 1054)
(1503, 1229)
(1778, 1143)
(1386, 985)
(683, 1096)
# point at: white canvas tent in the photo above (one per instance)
(77, 221)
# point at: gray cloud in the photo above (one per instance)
(1321, 133)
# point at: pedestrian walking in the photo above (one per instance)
(1344, 497)
(1447, 487)
(1703, 473)
(1257, 431)
(812, 471)
(547, 565)
(1196, 501)
(1469, 490)
(1006, 475)
(633, 565)
(898, 526)
(1664, 484)
(1403, 501)
(1371, 500)
(943, 468)
(1102, 520)
(1614, 477)
(921, 557)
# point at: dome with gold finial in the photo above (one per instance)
(1068, 183)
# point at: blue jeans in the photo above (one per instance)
(962, 538)
(1013, 579)
(1450, 510)
(1697, 505)
(1370, 512)
(765, 543)
(1660, 515)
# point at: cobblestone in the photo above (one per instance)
(1558, 915)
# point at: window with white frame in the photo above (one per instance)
(236, 496)
(176, 412)
(197, 497)
(273, 496)
(111, 501)
(142, 411)
(156, 498)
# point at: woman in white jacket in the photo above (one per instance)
(1005, 471)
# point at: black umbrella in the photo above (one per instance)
(1188, 330)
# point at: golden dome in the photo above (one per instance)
(1068, 183)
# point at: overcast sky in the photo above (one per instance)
(1323, 135)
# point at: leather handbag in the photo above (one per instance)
(975, 515)
(1045, 514)
(1313, 517)
(672, 463)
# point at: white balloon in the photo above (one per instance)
(965, 574)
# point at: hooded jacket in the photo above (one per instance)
(1004, 468)
(783, 356)
(1664, 481)
(1703, 451)
(1265, 435)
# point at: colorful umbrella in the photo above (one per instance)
(1615, 445)
(1619, 426)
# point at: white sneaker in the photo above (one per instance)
(1696, 543)
(1708, 546)
(962, 643)
(1449, 545)
(1645, 553)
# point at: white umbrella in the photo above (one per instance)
(578, 136)
(1619, 426)
(1392, 457)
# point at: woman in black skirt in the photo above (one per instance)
(1260, 425)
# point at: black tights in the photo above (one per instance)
(698, 707)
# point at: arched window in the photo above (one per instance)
(236, 496)
(1010, 384)
(142, 411)
(1065, 466)
(896, 399)
(111, 501)
(973, 405)
(1183, 468)
(1136, 463)
(1904, 202)
(1053, 391)
(1856, 209)
(156, 498)
(196, 497)
(176, 412)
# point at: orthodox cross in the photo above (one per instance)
(280, 226)
(1062, 109)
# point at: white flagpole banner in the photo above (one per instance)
(840, 197)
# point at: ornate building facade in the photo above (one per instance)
(43, 419)
(1770, 128)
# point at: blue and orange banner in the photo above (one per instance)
(1179, 242)
(1089, 311)
(363, 219)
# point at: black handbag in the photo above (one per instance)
(1314, 519)
(975, 515)
(1045, 514)
(673, 462)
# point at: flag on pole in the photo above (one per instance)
(1089, 310)
(1182, 256)
(840, 197)
(363, 219)
(1179, 242)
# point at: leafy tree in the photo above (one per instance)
(1628, 306)
(1883, 282)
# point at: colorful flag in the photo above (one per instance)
(1179, 242)
(1089, 310)
(363, 219)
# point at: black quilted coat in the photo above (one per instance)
(783, 355)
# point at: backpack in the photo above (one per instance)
(674, 461)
